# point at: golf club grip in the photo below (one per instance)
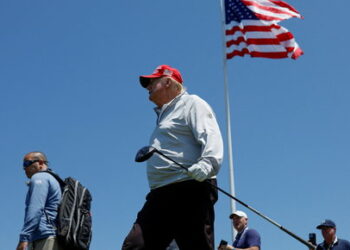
(308, 244)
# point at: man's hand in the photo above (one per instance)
(22, 246)
(198, 173)
(226, 247)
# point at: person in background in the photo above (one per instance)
(331, 241)
(246, 238)
(42, 200)
(180, 204)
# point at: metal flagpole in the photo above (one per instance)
(228, 117)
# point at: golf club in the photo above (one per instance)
(146, 152)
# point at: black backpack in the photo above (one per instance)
(74, 224)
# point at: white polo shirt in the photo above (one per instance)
(187, 132)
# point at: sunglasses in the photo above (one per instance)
(28, 163)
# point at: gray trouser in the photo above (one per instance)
(49, 243)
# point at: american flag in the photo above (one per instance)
(251, 27)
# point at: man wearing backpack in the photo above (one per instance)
(43, 197)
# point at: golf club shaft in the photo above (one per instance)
(306, 243)
(167, 157)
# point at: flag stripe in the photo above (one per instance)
(271, 9)
(256, 41)
(271, 55)
(285, 5)
(250, 28)
(269, 17)
(275, 6)
(285, 36)
(259, 48)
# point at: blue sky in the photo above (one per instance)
(69, 87)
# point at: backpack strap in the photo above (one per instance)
(56, 176)
(60, 182)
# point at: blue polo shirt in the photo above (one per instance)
(43, 197)
(247, 238)
(339, 244)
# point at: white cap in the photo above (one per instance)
(239, 214)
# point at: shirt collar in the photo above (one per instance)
(334, 242)
(173, 101)
(245, 228)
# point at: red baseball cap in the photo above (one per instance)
(162, 70)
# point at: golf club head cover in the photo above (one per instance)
(198, 173)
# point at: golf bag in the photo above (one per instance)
(74, 224)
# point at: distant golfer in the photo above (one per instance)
(180, 204)
(246, 238)
(328, 229)
(43, 197)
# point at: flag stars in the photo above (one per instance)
(237, 11)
